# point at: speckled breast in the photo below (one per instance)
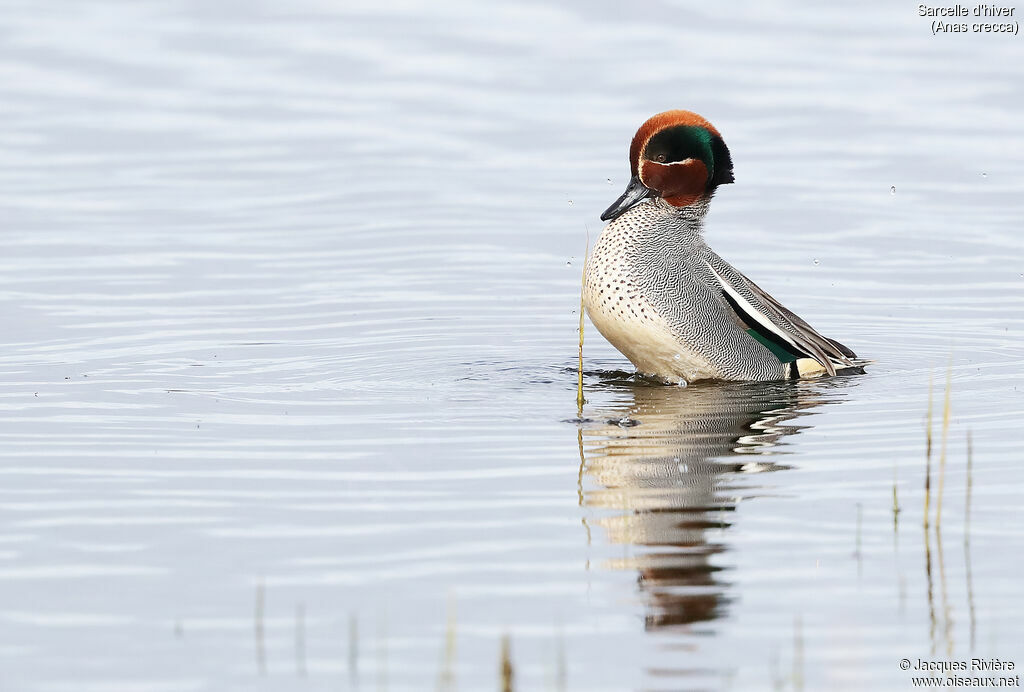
(617, 305)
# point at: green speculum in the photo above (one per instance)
(781, 353)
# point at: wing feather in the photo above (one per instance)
(829, 345)
(778, 321)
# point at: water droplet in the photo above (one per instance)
(570, 202)
(568, 264)
(984, 175)
(676, 357)
(817, 261)
(609, 180)
(892, 190)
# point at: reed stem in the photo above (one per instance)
(928, 450)
(579, 370)
(945, 430)
(506, 670)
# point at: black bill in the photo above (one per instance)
(635, 193)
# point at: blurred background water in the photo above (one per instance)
(289, 291)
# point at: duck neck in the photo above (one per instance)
(683, 222)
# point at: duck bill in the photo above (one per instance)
(635, 193)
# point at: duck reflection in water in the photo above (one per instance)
(669, 463)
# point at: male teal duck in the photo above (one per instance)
(663, 298)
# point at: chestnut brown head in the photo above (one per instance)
(678, 156)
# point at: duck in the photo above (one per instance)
(661, 296)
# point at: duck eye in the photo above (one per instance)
(661, 158)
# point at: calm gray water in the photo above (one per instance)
(289, 298)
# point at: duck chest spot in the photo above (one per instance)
(622, 313)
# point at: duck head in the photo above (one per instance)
(678, 156)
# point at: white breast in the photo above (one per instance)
(617, 307)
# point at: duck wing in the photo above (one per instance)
(773, 321)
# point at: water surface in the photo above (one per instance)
(289, 296)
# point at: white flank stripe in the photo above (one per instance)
(745, 304)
